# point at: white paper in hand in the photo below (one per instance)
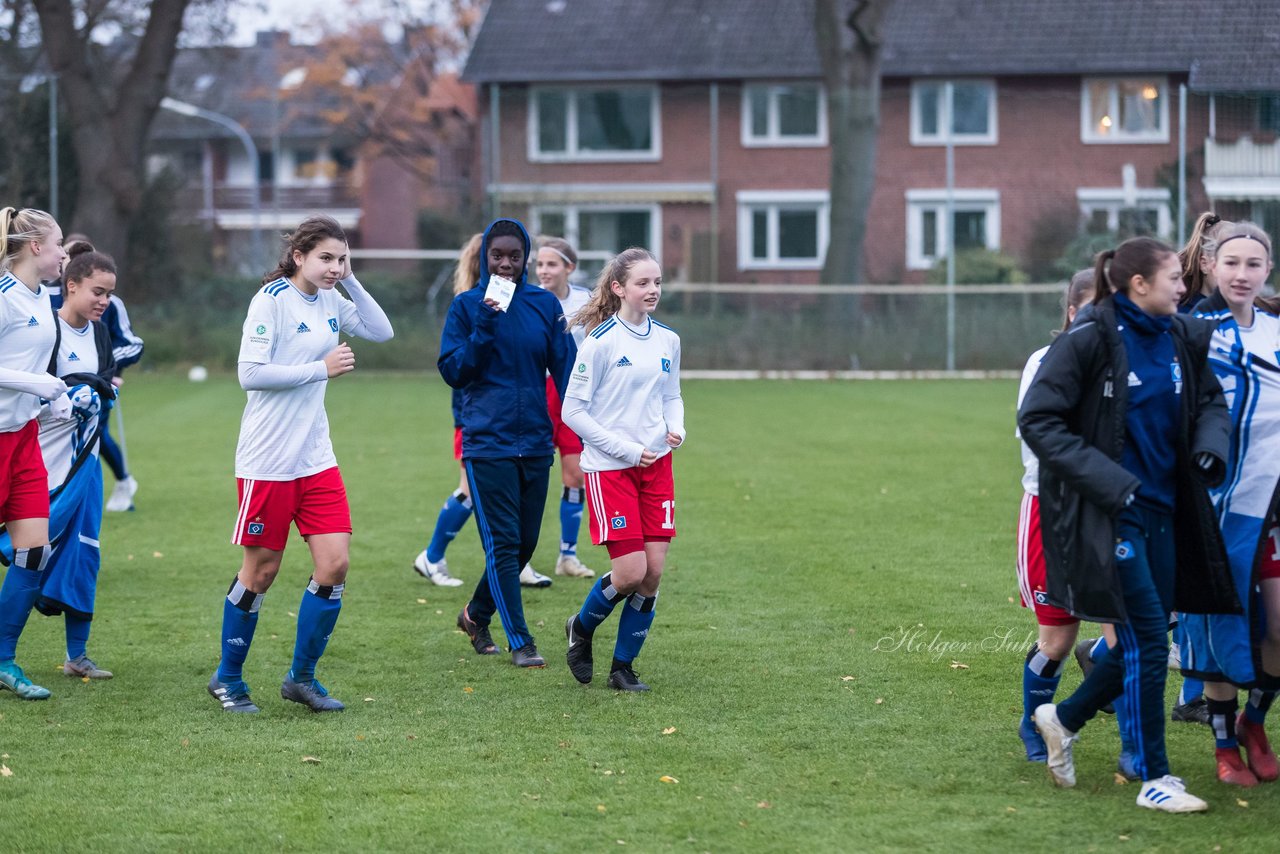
(501, 291)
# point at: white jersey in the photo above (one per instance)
(77, 354)
(284, 433)
(1262, 339)
(572, 303)
(629, 379)
(1030, 465)
(26, 343)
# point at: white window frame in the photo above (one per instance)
(1119, 137)
(773, 138)
(571, 154)
(773, 201)
(571, 213)
(1111, 200)
(919, 201)
(918, 136)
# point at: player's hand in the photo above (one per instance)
(60, 408)
(674, 439)
(50, 387)
(647, 458)
(117, 381)
(340, 360)
(493, 303)
(346, 268)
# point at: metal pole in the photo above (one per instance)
(950, 231)
(714, 268)
(53, 146)
(495, 154)
(1182, 163)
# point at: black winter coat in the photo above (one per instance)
(1073, 419)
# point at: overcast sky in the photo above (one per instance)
(300, 17)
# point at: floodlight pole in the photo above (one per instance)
(948, 95)
(184, 109)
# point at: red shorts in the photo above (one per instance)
(1031, 573)
(632, 504)
(457, 443)
(317, 504)
(1269, 563)
(24, 482)
(566, 441)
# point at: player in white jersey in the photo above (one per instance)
(30, 253)
(285, 467)
(70, 449)
(624, 401)
(554, 263)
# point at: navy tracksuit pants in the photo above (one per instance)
(509, 495)
(1138, 665)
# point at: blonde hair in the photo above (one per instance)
(467, 274)
(19, 229)
(1208, 227)
(604, 303)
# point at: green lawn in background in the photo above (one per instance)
(835, 660)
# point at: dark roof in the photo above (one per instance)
(526, 41)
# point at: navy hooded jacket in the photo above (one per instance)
(500, 361)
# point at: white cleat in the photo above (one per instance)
(1057, 740)
(571, 566)
(529, 577)
(122, 496)
(436, 573)
(1169, 794)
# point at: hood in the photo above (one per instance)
(484, 250)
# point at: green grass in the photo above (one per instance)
(835, 647)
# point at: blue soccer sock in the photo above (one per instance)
(1098, 650)
(1222, 717)
(1040, 677)
(77, 636)
(633, 627)
(599, 604)
(570, 519)
(317, 615)
(239, 622)
(1192, 689)
(1260, 698)
(18, 595)
(453, 515)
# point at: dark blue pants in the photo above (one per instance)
(110, 451)
(1138, 665)
(509, 495)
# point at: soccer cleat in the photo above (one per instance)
(85, 667)
(531, 578)
(233, 696)
(1125, 767)
(625, 679)
(1253, 738)
(578, 655)
(437, 573)
(1231, 768)
(1057, 741)
(527, 656)
(1169, 794)
(310, 694)
(571, 566)
(1195, 712)
(12, 678)
(481, 640)
(1031, 740)
(122, 495)
(1082, 650)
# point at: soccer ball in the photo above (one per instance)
(198, 373)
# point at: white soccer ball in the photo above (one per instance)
(198, 373)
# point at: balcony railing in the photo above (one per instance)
(239, 197)
(1242, 158)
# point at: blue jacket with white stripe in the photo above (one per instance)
(500, 360)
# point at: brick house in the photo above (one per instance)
(699, 129)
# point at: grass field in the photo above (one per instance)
(835, 660)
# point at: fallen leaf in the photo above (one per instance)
(1121, 780)
(5, 772)
(468, 690)
(879, 700)
(129, 557)
(359, 737)
(621, 841)
(608, 773)
(438, 611)
(157, 554)
(369, 700)
(312, 760)
(1010, 809)
(412, 737)
(1242, 804)
(667, 778)
(764, 805)
(1124, 838)
(186, 742)
(600, 808)
(422, 601)
(291, 614)
(1010, 600)
(956, 665)
(669, 730)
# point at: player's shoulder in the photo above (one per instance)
(603, 330)
(665, 330)
(275, 288)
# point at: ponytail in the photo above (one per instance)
(1137, 256)
(18, 229)
(1201, 243)
(1102, 285)
(467, 274)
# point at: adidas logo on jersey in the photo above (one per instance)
(73, 358)
(302, 327)
(624, 362)
(32, 322)
(1133, 380)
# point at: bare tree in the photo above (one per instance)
(849, 35)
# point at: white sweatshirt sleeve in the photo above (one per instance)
(259, 376)
(368, 320)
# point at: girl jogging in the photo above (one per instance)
(285, 468)
(624, 401)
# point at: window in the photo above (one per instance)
(599, 233)
(967, 117)
(1117, 111)
(783, 114)
(782, 230)
(594, 124)
(976, 223)
(1106, 209)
